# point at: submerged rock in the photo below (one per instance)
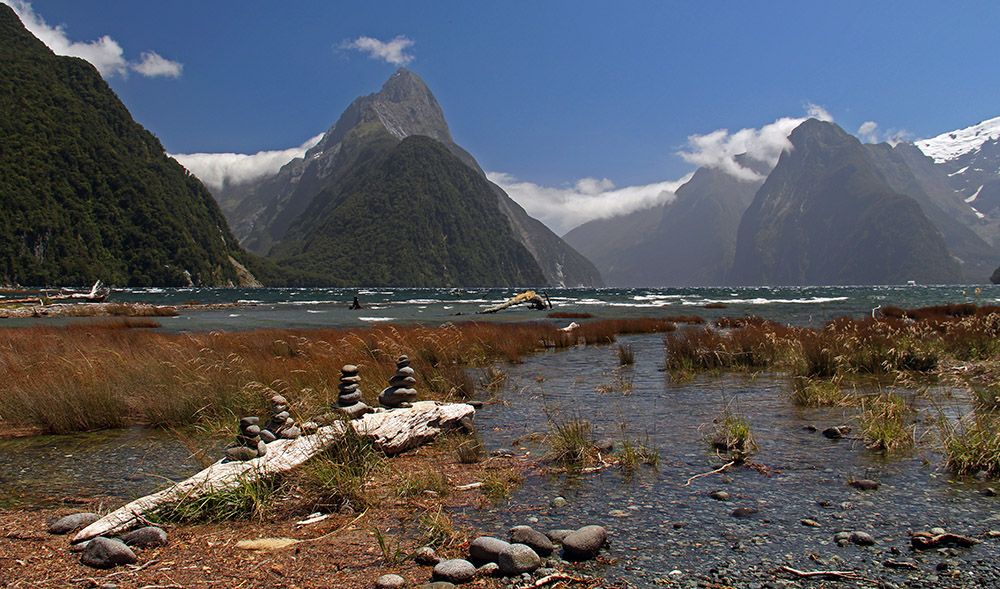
(864, 484)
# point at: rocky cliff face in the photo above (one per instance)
(262, 212)
(826, 215)
(86, 193)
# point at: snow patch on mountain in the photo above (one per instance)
(952, 145)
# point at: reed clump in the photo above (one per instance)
(893, 342)
(570, 442)
(626, 355)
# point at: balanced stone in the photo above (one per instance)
(248, 444)
(281, 425)
(349, 394)
(400, 392)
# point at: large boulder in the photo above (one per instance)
(486, 549)
(585, 543)
(105, 553)
(456, 571)
(528, 536)
(72, 522)
(518, 559)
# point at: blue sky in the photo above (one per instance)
(549, 92)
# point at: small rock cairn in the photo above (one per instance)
(248, 443)
(349, 394)
(281, 425)
(400, 392)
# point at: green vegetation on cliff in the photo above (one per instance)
(412, 214)
(87, 193)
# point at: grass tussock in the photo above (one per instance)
(886, 423)
(632, 454)
(337, 479)
(972, 446)
(252, 499)
(570, 443)
(815, 392)
(428, 482)
(88, 377)
(500, 484)
(731, 434)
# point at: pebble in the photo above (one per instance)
(105, 553)
(425, 555)
(390, 582)
(490, 569)
(742, 512)
(437, 585)
(862, 539)
(456, 571)
(864, 484)
(558, 502)
(719, 495)
(72, 522)
(809, 523)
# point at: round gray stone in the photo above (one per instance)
(518, 559)
(105, 553)
(390, 582)
(425, 555)
(486, 549)
(147, 537)
(585, 543)
(527, 535)
(558, 536)
(72, 522)
(456, 571)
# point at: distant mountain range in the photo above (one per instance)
(833, 211)
(86, 193)
(388, 198)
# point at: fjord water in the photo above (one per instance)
(657, 523)
(328, 307)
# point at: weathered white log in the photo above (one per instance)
(391, 431)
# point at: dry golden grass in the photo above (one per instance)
(85, 377)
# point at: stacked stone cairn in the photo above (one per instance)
(248, 443)
(400, 392)
(349, 393)
(281, 425)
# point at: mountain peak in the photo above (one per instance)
(954, 144)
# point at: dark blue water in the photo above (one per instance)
(310, 307)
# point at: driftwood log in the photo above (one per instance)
(392, 432)
(528, 297)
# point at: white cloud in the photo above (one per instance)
(218, 169)
(153, 64)
(393, 51)
(719, 149)
(565, 207)
(104, 53)
(869, 132)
